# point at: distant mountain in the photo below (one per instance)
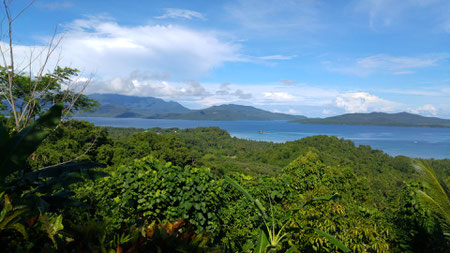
(380, 119)
(121, 106)
(230, 112)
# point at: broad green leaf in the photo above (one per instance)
(256, 202)
(23, 144)
(262, 243)
(16, 212)
(52, 226)
(325, 198)
(58, 170)
(247, 246)
(19, 228)
(333, 240)
(239, 188)
(291, 250)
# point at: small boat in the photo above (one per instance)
(260, 132)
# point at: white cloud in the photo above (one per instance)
(428, 110)
(278, 96)
(110, 50)
(326, 111)
(389, 64)
(287, 81)
(225, 90)
(137, 86)
(181, 13)
(210, 101)
(277, 57)
(353, 102)
(285, 95)
(293, 111)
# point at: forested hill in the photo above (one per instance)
(230, 112)
(380, 119)
(121, 106)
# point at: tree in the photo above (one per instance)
(27, 92)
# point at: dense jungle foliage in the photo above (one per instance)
(164, 190)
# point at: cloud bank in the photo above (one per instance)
(383, 63)
(109, 49)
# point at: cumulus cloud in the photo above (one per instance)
(398, 65)
(181, 13)
(428, 110)
(138, 85)
(293, 111)
(225, 90)
(326, 111)
(278, 95)
(285, 95)
(353, 102)
(209, 101)
(102, 46)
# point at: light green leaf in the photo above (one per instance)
(333, 240)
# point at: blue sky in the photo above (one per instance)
(309, 57)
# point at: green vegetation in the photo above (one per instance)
(32, 96)
(380, 119)
(201, 190)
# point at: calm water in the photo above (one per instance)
(421, 142)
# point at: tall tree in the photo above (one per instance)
(31, 88)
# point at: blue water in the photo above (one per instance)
(421, 142)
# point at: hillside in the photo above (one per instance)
(380, 119)
(121, 106)
(230, 112)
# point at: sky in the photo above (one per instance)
(316, 58)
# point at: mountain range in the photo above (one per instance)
(229, 112)
(379, 119)
(121, 106)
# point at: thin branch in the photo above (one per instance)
(74, 100)
(78, 157)
(11, 72)
(24, 9)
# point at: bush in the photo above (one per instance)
(151, 190)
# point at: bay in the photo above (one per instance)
(423, 142)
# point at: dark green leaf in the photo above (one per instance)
(18, 148)
(262, 243)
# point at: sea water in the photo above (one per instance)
(423, 142)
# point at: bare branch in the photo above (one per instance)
(78, 157)
(24, 9)
(11, 72)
